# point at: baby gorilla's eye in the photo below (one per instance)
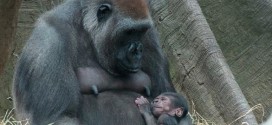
(163, 99)
(154, 101)
(104, 12)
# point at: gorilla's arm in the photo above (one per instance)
(187, 120)
(155, 64)
(145, 109)
(149, 119)
(166, 119)
(45, 84)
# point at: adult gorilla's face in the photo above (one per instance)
(118, 31)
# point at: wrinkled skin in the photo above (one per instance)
(114, 36)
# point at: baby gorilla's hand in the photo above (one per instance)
(143, 105)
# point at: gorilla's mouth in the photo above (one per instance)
(132, 69)
(129, 57)
(155, 106)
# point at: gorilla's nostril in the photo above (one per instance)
(135, 48)
(140, 47)
(131, 48)
(131, 31)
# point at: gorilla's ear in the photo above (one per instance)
(178, 112)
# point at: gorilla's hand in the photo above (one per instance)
(143, 105)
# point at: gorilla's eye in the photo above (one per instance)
(103, 12)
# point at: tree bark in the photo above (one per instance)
(8, 21)
(198, 66)
(243, 29)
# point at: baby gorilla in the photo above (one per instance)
(168, 109)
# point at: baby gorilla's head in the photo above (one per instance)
(170, 103)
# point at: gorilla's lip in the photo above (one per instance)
(156, 106)
(128, 68)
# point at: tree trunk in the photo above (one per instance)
(198, 66)
(243, 29)
(8, 21)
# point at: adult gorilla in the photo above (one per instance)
(114, 36)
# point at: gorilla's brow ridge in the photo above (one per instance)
(136, 9)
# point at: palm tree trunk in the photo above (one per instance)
(243, 29)
(197, 64)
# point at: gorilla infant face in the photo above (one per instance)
(119, 30)
(161, 104)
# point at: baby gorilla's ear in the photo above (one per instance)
(179, 112)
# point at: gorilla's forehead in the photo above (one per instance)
(137, 9)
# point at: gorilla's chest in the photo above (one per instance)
(111, 108)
